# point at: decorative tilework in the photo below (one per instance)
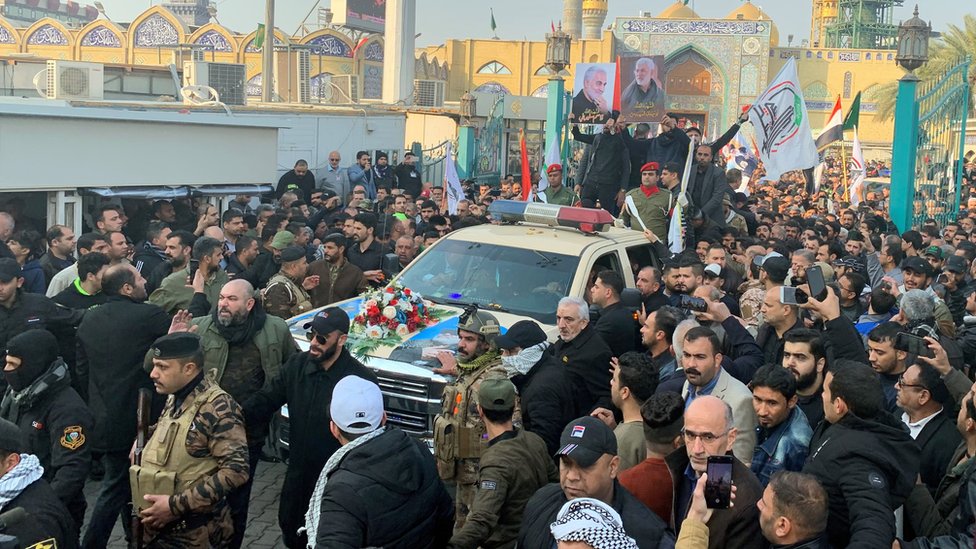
(319, 86)
(374, 51)
(252, 49)
(850, 56)
(541, 91)
(330, 46)
(663, 26)
(253, 86)
(493, 87)
(47, 35)
(101, 37)
(749, 83)
(372, 82)
(156, 30)
(215, 40)
(5, 36)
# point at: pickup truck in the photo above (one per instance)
(518, 268)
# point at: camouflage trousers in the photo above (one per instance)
(467, 484)
(216, 533)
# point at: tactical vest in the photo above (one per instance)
(167, 468)
(297, 295)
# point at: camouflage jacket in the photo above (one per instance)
(285, 298)
(217, 431)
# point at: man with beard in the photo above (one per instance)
(607, 169)
(803, 356)
(287, 292)
(113, 340)
(918, 274)
(685, 278)
(783, 435)
(644, 94)
(179, 247)
(41, 402)
(246, 348)
(584, 354)
(306, 383)
(339, 279)
(708, 186)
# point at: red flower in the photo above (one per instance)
(390, 290)
(406, 291)
(393, 302)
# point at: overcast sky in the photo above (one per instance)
(438, 20)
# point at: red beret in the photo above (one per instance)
(554, 168)
(650, 166)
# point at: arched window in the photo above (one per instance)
(689, 78)
(494, 67)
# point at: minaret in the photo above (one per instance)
(573, 18)
(594, 13)
(824, 15)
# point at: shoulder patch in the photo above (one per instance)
(49, 543)
(488, 485)
(876, 480)
(73, 437)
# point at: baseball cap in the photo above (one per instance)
(713, 270)
(916, 265)
(956, 264)
(328, 193)
(852, 263)
(585, 440)
(522, 334)
(357, 405)
(366, 204)
(934, 251)
(329, 320)
(496, 394)
(282, 239)
(9, 269)
(11, 437)
(759, 259)
(776, 268)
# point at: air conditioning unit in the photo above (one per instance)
(227, 78)
(75, 80)
(181, 56)
(303, 75)
(428, 93)
(345, 89)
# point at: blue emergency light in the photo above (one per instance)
(587, 220)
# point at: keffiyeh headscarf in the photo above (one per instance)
(593, 522)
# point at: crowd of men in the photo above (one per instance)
(850, 411)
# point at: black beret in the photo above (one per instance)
(292, 253)
(178, 345)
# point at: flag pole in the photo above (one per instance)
(843, 159)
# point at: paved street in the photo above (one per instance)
(262, 522)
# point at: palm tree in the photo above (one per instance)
(946, 52)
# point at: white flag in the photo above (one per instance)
(676, 240)
(452, 183)
(782, 126)
(856, 171)
(552, 157)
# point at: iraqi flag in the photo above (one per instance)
(834, 130)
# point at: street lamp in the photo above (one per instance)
(913, 43)
(469, 108)
(557, 50)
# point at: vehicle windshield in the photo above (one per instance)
(515, 280)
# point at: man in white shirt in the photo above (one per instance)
(922, 394)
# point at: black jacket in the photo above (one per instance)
(868, 468)
(260, 272)
(587, 359)
(609, 159)
(57, 423)
(156, 276)
(618, 328)
(640, 523)
(706, 191)
(302, 186)
(47, 518)
(930, 515)
(408, 178)
(386, 493)
(671, 146)
(35, 312)
(771, 344)
(148, 258)
(963, 530)
(112, 343)
(938, 441)
(547, 401)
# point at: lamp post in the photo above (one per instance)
(557, 58)
(465, 154)
(913, 52)
(267, 53)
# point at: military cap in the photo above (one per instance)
(496, 394)
(292, 253)
(178, 345)
(282, 239)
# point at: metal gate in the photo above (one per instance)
(927, 163)
(433, 163)
(488, 146)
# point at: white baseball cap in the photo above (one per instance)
(357, 405)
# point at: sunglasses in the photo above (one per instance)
(318, 338)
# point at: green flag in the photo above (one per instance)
(853, 114)
(259, 37)
(493, 25)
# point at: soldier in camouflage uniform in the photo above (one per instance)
(196, 455)
(287, 292)
(459, 434)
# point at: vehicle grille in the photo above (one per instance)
(412, 423)
(403, 387)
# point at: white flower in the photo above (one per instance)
(389, 312)
(387, 298)
(402, 330)
(371, 303)
(377, 332)
(405, 306)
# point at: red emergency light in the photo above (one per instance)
(587, 220)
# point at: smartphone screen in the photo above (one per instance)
(787, 295)
(914, 345)
(194, 265)
(718, 488)
(815, 278)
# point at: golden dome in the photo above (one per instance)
(678, 10)
(599, 5)
(748, 11)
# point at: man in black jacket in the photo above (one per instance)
(588, 467)
(41, 402)
(112, 343)
(544, 386)
(708, 186)
(863, 456)
(408, 176)
(670, 146)
(381, 488)
(584, 354)
(152, 252)
(299, 180)
(616, 324)
(608, 167)
(306, 384)
(47, 519)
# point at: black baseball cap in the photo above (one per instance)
(522, 334)
(916, 264)
(9, 269)
(956, 264)
(851, 262)
(329, 320)
(12, 439)
(585, 440)
(776, 268)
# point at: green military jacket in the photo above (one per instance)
(563, 197)
(653, 210)
(173, 294)
(274, 341)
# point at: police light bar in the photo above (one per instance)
(587, 220)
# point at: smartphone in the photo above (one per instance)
(788, 295)
(815, 279)
(914, 345)
(194, 265)
(718, 488)
(691, 303)
(943, 279)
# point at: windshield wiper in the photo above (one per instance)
(458, 303)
